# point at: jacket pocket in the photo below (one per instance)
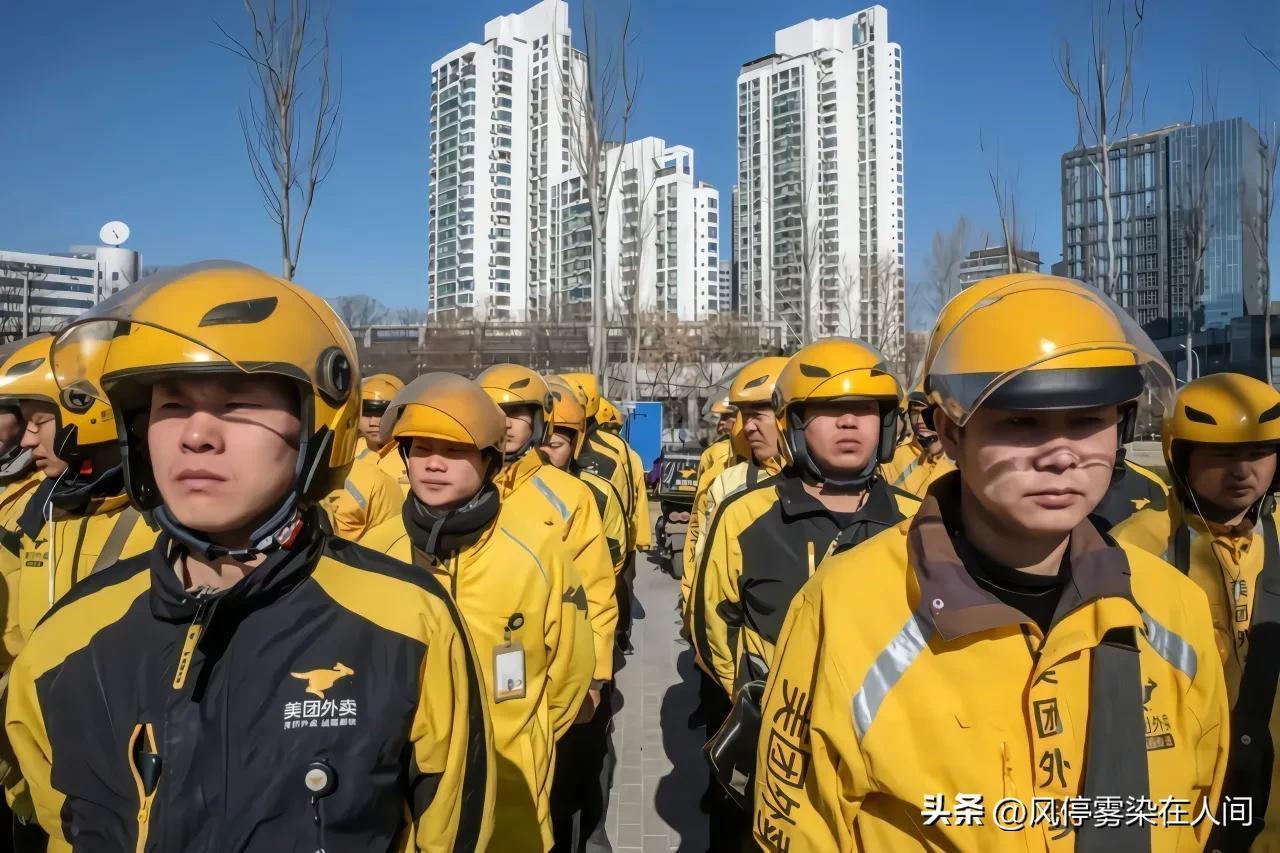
(144, 764)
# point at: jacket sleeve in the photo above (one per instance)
(385, 501)
(640, 503)
(716, 585)
(452, 775)
(810, 777)
(586, 541)
(10, 572)
(29, 742)
(693, 534)
(569, 642)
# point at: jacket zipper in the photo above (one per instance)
(145, 765)
(204, 609)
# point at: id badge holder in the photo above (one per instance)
(508, 670)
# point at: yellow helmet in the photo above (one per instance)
(376, 392)
(1224, 408)
(513, 386)
(755, 380)
(609, 415)
(587, 388)
(85, 424)
(219, 317)
(835, 369)
(567, 412)
(448, 407)
(720, 406)
(1039, 342)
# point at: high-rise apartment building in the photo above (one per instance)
(819, 211)
(1161, 181)
(661, 237)
(499, 140)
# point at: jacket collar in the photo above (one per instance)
(281, 571)
(795, 502)
(959, 607)
(518, 473)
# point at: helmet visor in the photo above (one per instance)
(146, 332)
(1032, 347)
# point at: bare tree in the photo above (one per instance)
(889, 333)
(360, 310)
(1104, 99)
(1193, 221)
(291, 125)
(946, 253)
(1004, 190)
(600, 86)
(408, 315)
(17, 279)
(1257, 222)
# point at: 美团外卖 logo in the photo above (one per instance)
(320, 680)
(321, 712)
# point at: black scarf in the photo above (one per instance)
(439, 534)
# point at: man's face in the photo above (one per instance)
(927, 437)
(761, 429)
(1035, 473)
(39, 436)
(371, 412)
(842, 435)
(11, 427)
(223, 450)
(444, 475)
(1231, 477)
(519, 428)
(559, 449)
(724, 424)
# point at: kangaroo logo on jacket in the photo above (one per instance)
(1159, 729)
(323, 712)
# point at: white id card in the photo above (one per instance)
(508, 672)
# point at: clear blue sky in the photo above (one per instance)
(128, 111)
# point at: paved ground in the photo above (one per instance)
(661, 772)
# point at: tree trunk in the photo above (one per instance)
(600, 345)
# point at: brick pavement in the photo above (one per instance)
(661, 773)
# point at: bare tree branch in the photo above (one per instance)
(287, 60)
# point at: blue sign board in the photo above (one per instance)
(643, 430)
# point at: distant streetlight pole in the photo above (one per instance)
(1193, 359)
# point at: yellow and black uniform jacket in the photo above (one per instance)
(516, 587)
(147, 717)
(714, 460)
(1133, 488)
(730, 481)
(912, 470)
(569, 506)
(609, 505)
(14, 496)
(898, 679)
(53, 549)
(609, 456)
(369, 497)
(388, 459)
(1228, 564)
(763, 544)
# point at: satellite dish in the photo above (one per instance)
(114, 233)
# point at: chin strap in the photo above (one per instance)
(279, 531)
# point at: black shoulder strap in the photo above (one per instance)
(1116, 751)
(753, 473)
(1249, 763)
(1181, 552)
(111, 549)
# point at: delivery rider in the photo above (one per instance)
(513, 581)
(78, 519)
(368, 497)
(717, 456)
(526, 402)
(919, 459)
(585, 756)
(18, 472)
(376, 392)
(611, 420)
(996, 644)
(250, 683)
(1220, 530)
(835, 402)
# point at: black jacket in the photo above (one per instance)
(148, 718)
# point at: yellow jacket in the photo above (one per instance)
(510, 578)
(764, 544)
(912, 470)
(714, 460)
(1225, 563)
(369, 497)
(897, 678)
(640, 498)
(569, 506)
(388, 459)
(608, 455)
(728, 482)
(609, 504)
(13, 498)
(73, 546)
